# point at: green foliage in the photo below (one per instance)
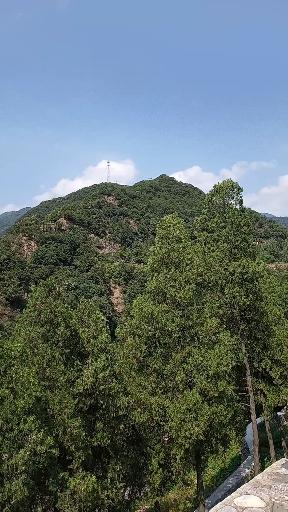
(219, 467)
(90, 238)
(124, 373)
(283, 221)
(274, 250)
(7, 219)
(270, 373)
(65, 435)
(175, 363)
(247, 298)
(224, 225)
(232, 273)
(265, 460)
(266, 228)
(86, 235)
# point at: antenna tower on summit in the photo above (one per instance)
(108, 172)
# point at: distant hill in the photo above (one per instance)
(280, 220)
(7, 219)
(94, 244)
(96, 240)
(268, 215)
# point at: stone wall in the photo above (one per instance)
(267, 492)
(242, 474)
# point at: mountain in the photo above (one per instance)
(7, 219)
(268, 215)
(61, 386)
(96, 240)
(280, 220)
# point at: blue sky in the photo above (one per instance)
(196, 89)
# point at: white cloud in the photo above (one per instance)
(255, 166)
(197, 177)
(271, 199)
(120, 172)
(9, 208)
(206, 180)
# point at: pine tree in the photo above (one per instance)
(65, 437)
(234, 280)
(270, 376)
(175, 363)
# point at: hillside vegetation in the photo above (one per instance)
(283, 221)
(7, 219)
(142, 327)
(97, 240)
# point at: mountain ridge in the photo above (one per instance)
(283, 221)
(7, 219)
(96, 240)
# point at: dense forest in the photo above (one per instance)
(7, 219)
(280, 220)
(142, 328)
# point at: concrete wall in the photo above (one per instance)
(267, 492)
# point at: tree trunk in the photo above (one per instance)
(157, 507)
(282, 435)
(252, 410)
(269, 436)
(268, 431)
(200, 483)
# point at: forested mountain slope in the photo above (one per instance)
(145, 202)
(124, 339)
(280, 220)
(7, 219)
(96, 240)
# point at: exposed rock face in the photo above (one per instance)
(29, 246)
(107, 246)
(278, 266)
(111, 199)
(264, 493)
(117, 297)
(132, 224)
(26, 246)
(64, 223)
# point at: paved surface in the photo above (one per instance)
(238, 478)
(233, 482)
(267, 492)
(249, 435)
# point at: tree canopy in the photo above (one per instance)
(142, 328)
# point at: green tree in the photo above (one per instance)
(176, 363)
(65, 438)
(234, 280)
(270, 376)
